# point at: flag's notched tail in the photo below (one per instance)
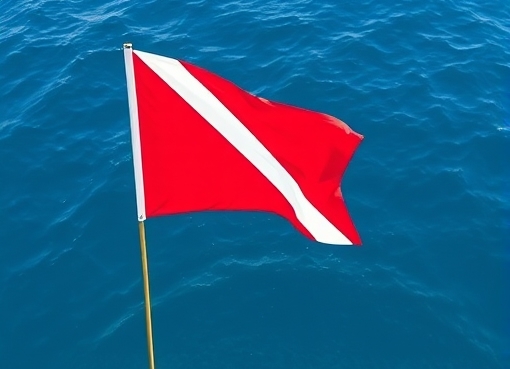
(202, 143)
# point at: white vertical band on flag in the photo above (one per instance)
(213, 111)
(135, 133)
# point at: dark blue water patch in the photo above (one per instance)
(306, 324)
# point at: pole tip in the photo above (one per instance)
(127, 45)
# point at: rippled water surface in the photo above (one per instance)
(426, 83)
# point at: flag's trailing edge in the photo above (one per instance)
(202, 143)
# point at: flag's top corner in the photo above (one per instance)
(159, 63)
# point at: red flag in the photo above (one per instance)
(202, 143)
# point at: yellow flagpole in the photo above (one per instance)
(135, 140)
(145, 268)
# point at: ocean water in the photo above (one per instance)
(426, 83)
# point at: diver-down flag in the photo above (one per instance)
(202, 143)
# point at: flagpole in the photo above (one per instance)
(148, 319)
(140, 197)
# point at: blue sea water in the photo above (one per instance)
(426, 83)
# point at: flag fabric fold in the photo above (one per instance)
(202, 143)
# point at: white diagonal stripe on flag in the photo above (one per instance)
(173, 73)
